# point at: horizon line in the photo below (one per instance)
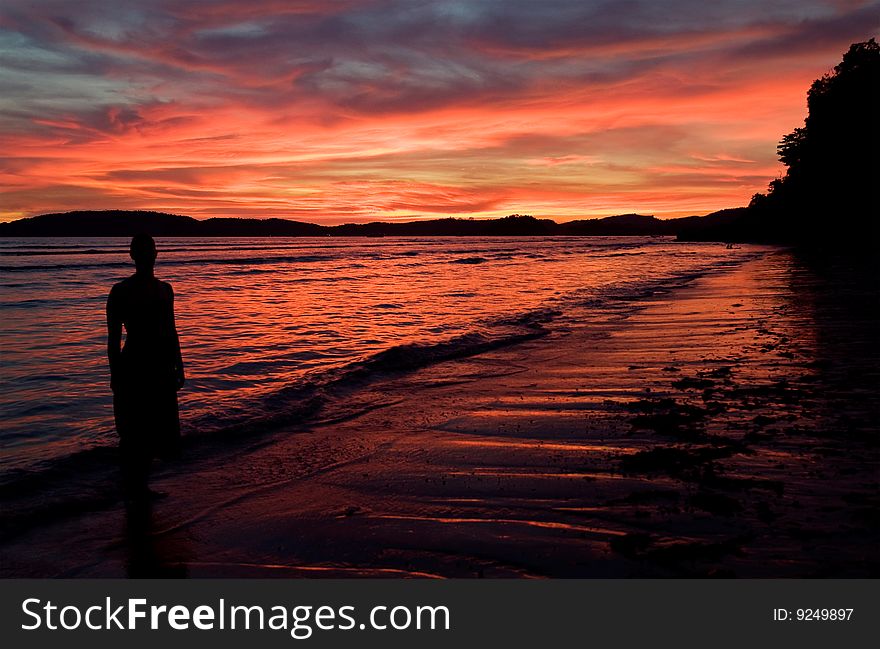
(414, 219)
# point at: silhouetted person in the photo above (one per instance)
(147, 372)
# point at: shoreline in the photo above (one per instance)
(704, 432)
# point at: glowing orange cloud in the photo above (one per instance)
(348, 111)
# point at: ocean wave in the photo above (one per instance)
(177, 262)
(298, 403)
(323, 254)
(84, 478)
(303, 398)
(469, 260)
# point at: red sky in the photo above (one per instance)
(403, 109)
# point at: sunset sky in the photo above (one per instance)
(332, 111)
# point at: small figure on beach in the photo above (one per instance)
(145, 373)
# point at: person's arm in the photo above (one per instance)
(114, 338)
(175, 340)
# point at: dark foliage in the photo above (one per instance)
(830, 189)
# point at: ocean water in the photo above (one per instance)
(266, 323)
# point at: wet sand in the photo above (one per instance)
(726, 428)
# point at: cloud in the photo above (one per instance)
(343, 109)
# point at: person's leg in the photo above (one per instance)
(165, 434)
(135, 467)
(134, 455)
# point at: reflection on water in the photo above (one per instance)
(259, 315)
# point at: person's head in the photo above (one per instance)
(143, 251)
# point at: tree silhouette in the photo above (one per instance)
(831, 184)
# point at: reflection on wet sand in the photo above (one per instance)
(150, 555)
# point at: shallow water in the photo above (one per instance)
(262, 320)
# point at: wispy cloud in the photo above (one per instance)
(392, 108)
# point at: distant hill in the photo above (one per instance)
(105, 223)
(127, 223)
(621, 225)
(122, 223)
(732, 224)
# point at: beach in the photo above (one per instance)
(725, 425)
